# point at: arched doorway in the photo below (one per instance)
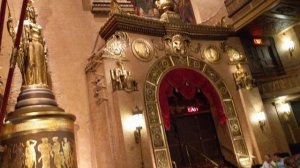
(154, 113)
(185, 98)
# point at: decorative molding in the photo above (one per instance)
(114, 48)
(148, 26)
(116, 45)
(103, 7)
(153, 113)
(94, 62)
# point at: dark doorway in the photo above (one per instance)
(192, 138)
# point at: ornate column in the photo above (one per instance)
(37, 133)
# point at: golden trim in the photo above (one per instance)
(152, 98)
(37, 124)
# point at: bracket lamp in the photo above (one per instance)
(285, 109)
(261, 117)
(137, 119)
(290, 46)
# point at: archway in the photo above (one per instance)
(154, 113)
(187, 100)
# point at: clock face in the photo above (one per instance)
(142, 50)
(211, 54)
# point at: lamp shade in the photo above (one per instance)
(138, 119)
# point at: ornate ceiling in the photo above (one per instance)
(280, 17)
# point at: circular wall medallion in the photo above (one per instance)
(142, 50)
(211, 54)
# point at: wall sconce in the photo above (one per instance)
(289, 45)
(261, 118)
(137, 119)
(285, 109)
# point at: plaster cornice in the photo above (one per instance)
(147, 26)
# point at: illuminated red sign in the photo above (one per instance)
(192, 109)
(257, 41)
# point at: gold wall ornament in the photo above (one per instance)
(234, 55)
(166, 7)
(115, 7)
(154, 120)
(142, 50)
(211, 54)
(116, 45)
(176, 45)
(242, 78)
(122, 79)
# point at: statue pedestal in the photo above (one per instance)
(38, 133)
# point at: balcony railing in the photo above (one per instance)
(286, 83)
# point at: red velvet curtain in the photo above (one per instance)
(187, 81)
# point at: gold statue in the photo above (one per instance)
(45, 149)
(242, 78)
(30, 154)
(31, 57)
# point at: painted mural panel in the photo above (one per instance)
(146, 8)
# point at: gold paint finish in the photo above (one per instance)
(31, 57)
(142, 50)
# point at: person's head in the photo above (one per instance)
(268, 158)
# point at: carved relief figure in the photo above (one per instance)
(67, 152)
(30, 154)
(31, 57)
(99, 85)
(56, 152)
(45, 149)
